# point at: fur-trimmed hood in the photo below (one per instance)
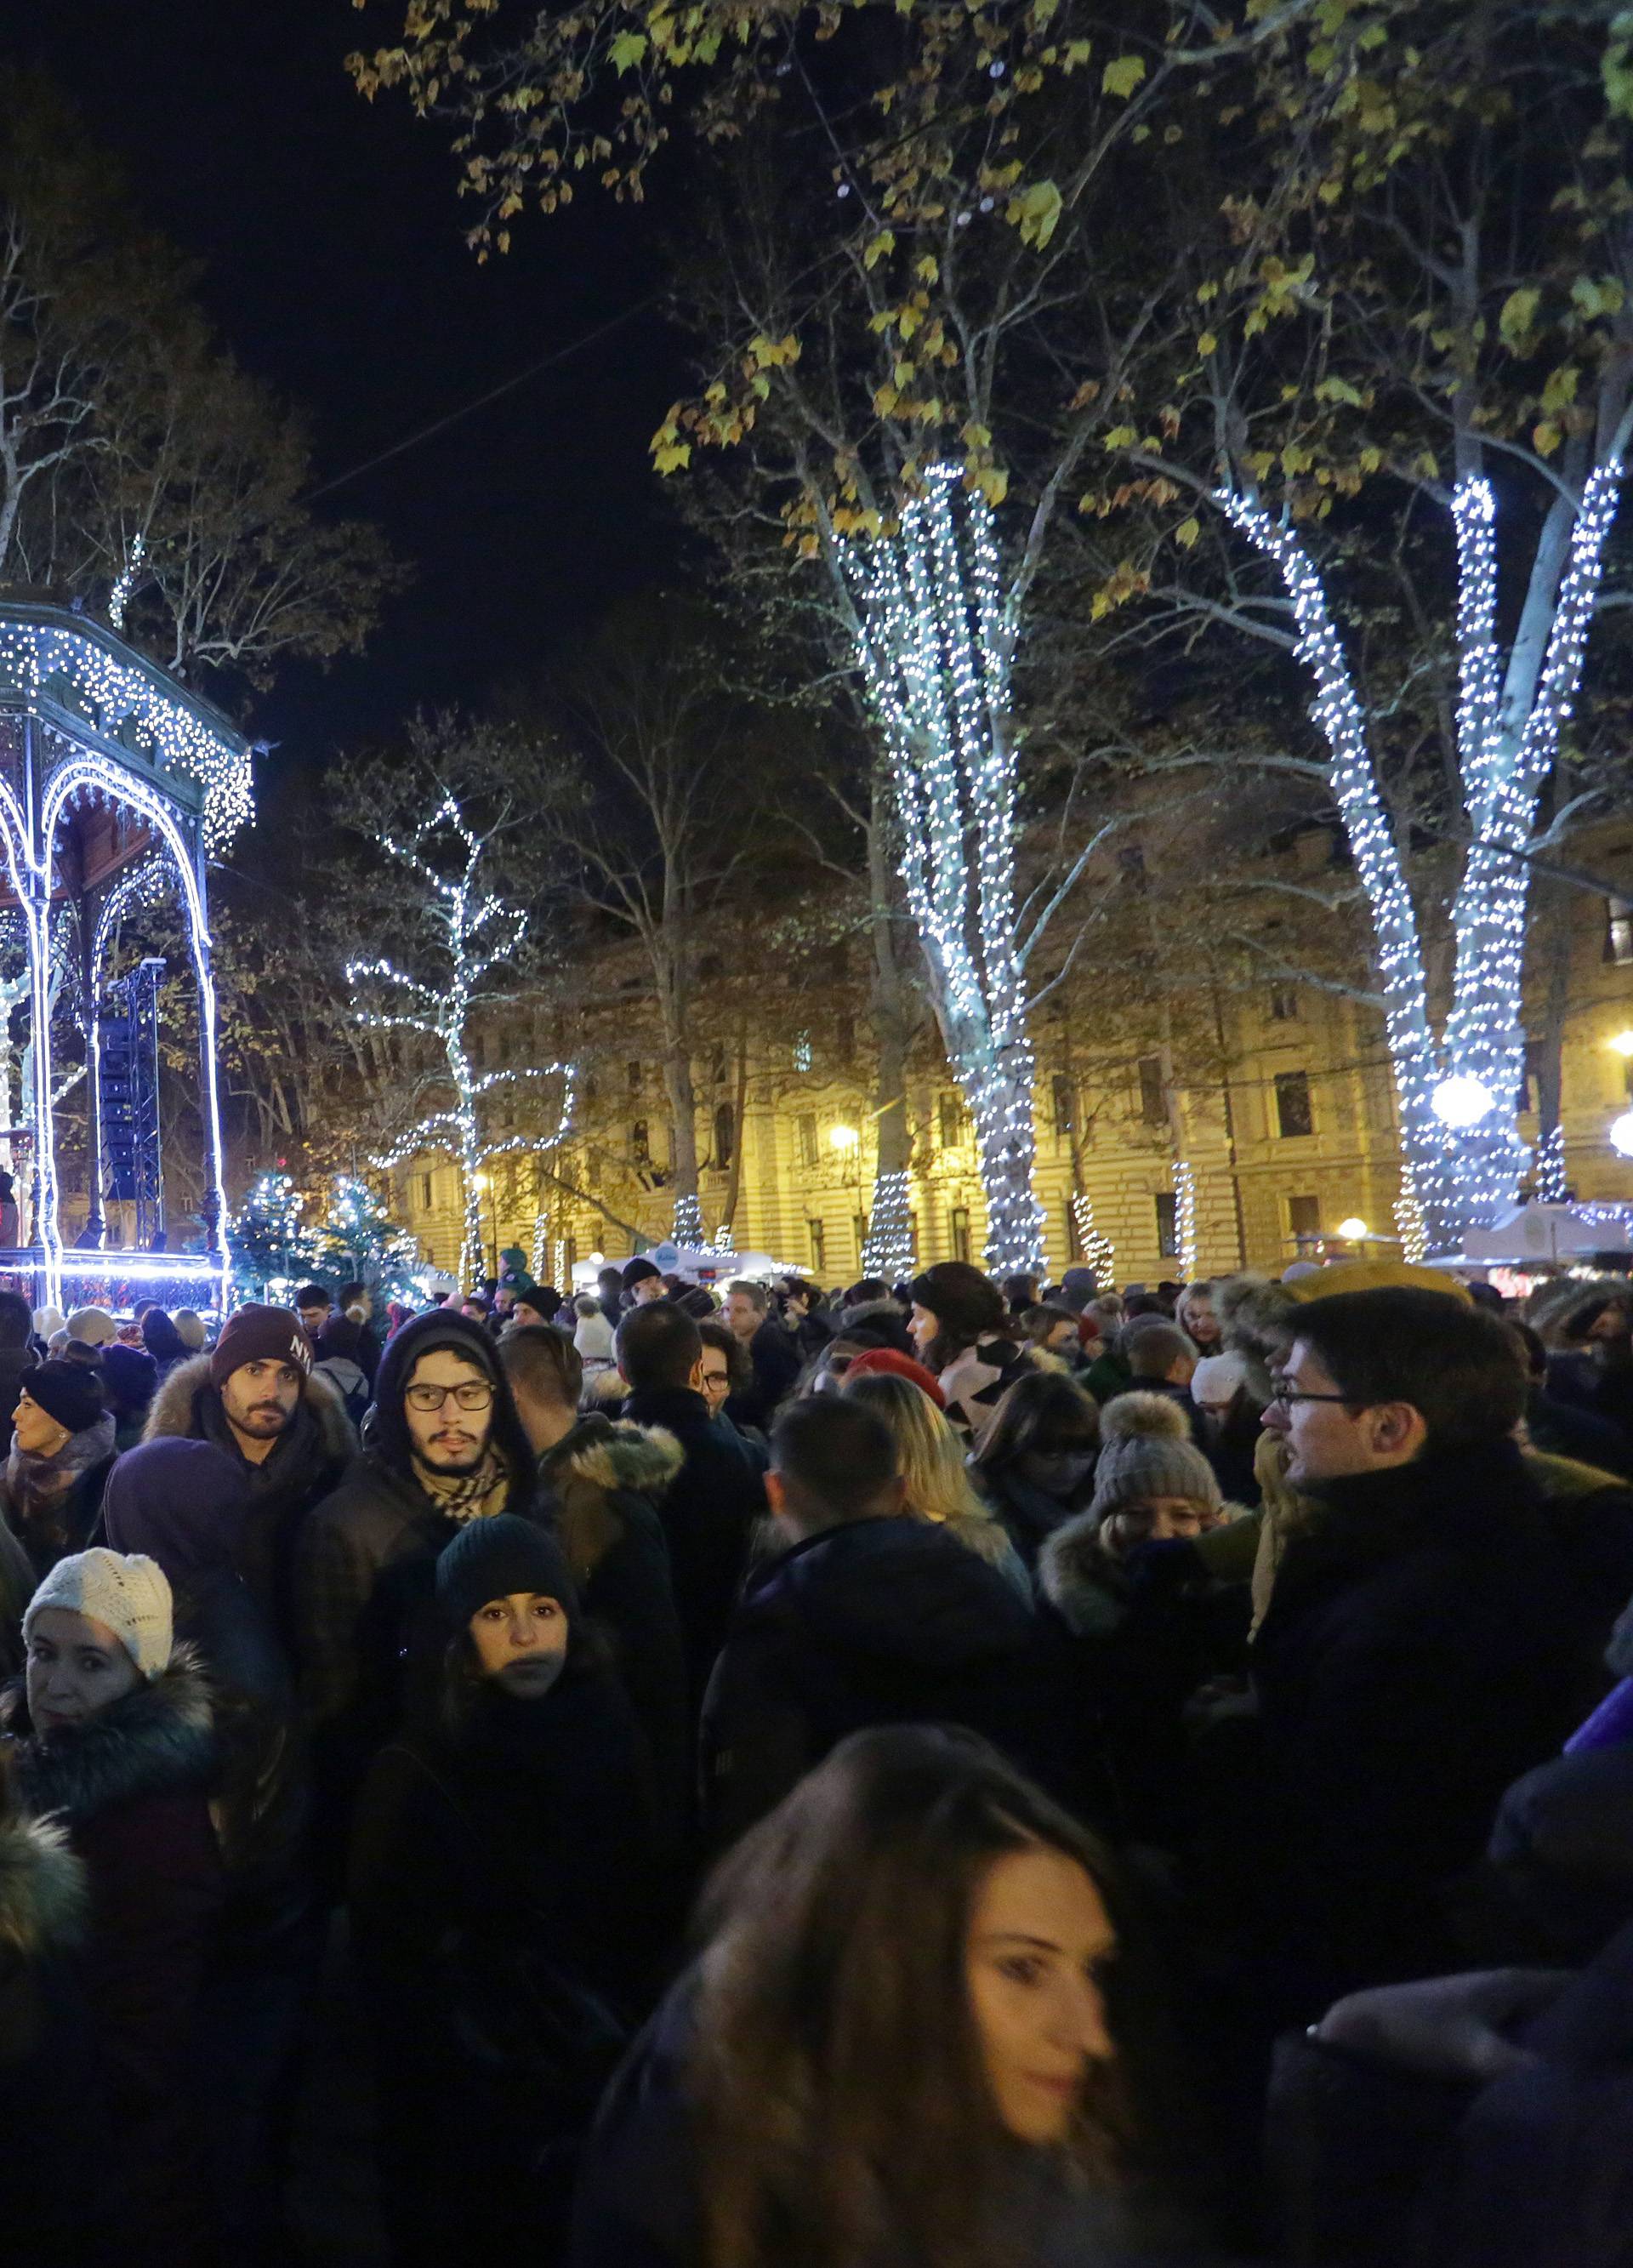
(175, 1411)
(159, 1741)
(42, 1889)
(615, 1455)
(1089, 1589)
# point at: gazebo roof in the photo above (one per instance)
(82, 679)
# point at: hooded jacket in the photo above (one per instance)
(305, 1466)
(601, 1486)
(876, 1622)
(709, 1511)
(130, 1787)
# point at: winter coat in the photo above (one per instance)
(53, 2111)
(364, 1579)
(14, 1362)
(306, 1466)
(1591, 1515)
(878, 1622)
(1029, 1515)
(1146, 1630)
(709, 1514)
(17, 1585)
(501, 1883)
(1422, 1646)
(1561, 1858)
(1376, 2167)
(776, 1361)
(131, 1786)
(601, 1488)
(1564, 1429)
(52, 1528)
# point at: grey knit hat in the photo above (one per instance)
(1145, 1451)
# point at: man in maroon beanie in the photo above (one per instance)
(258, 1398)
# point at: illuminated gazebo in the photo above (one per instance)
(117, 784)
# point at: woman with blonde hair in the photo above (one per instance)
(931, 1455)
(909, 2038)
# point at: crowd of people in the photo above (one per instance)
(967, 1773)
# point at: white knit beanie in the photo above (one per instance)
(125, 1591)
(1217, 1377)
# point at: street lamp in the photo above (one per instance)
(1355, 1229)
(1461, 1101)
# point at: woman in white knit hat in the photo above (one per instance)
(111, 1733)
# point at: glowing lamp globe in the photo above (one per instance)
(1461, 1101)
(1353, 1229)
(1622, 1134)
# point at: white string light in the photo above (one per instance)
(1098, 1252)
(933, 645)
(1185, 1218)
(687, 1228)
(888, 1251)
(119, 597)
(1458, 1109)
(1552, 1188)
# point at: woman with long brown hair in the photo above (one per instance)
(900, 2046)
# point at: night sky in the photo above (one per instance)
(336, 270)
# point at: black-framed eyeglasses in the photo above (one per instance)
(1284, 1390)
(471, 1394)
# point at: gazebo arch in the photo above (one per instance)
(112, 776)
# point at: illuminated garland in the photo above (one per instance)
(889, 1250)
(687, 1228)
(1185, 1218)
(933, 645)
(1458, 1109)
(1098, 1252)
(479, 933)
(1408, 1219)
(356, 1234)
(94, 668)
(119, 597)
(1551, 1185)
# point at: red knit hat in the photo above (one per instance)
(899, 1366)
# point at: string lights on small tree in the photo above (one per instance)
(474, 933)
(935, 645)
(1098, 1252)
(357, 1238)
(268, 1245)
(1459, 1092)
(889, 1250)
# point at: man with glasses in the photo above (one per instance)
(1422, 1646)
(446, 1447)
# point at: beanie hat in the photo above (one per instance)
(1079, 1286)
(638, 1271)
(259, 1334)
(1375, 1276)
(132, 1378)
(490, 1558)
(1217, 1376)
(92, 1326)
(130, 1595)
(887, 1361)
(593, 1338)
(71, 1392)
(47, 1321)
(190, 1328)
(1146, 1450)
(185, 1503)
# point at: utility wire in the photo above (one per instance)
(468, 409)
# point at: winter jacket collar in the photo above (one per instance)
(157, 1741)
(1460, 1497)
(677, 1408)
(614, 1455)
(896, 1588)
(187, 1405)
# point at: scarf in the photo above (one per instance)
(460, 1497)
(36, 1486)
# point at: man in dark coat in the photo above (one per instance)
(448, 1448)
(1424, 1645)
(711, 1504)
(773, 1354)
(258, 1397)
(866, 1617)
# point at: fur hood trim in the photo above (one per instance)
(157, 1741)
(42, 1888)
(172, 1413)
(1084, 1584)
(621, 1455)
(869, 1311)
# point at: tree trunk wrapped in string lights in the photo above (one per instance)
(935, 646)
(1459, 1092)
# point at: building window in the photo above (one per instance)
(570, 1255)
(858, 1222)
(640, 1145)
(633, 1073)
(954, 1121)
(426, 1199)
(1074, 1234)
(1303, 1220)
(1292, 1104)
(1619, 931)
(805, 1131)
(1284, 1004)
(1168, 1224)
(802, 1051)
(818, 1234)
(1153, 1101)
(724, 1133)
(1065, 1100)
(958, 1229)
